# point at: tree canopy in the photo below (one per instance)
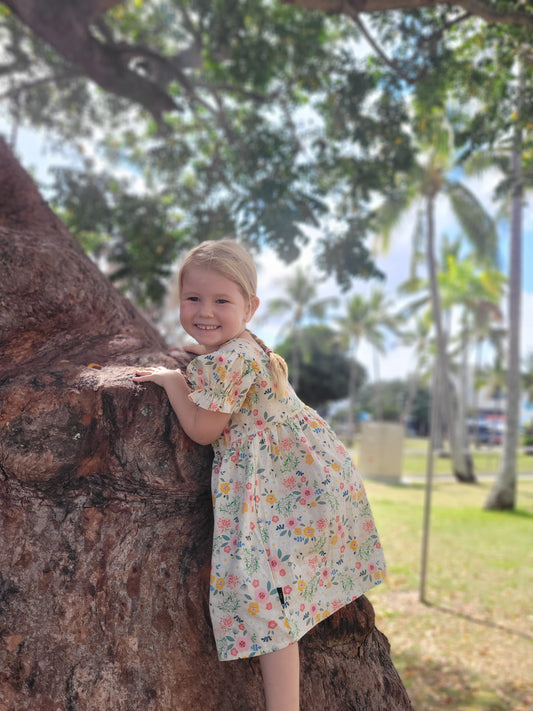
(256, 118)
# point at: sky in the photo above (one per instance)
(398, 361)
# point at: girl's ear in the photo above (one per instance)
(252, 307)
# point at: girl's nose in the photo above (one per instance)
(205, 309)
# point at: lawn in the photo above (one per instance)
(470, 646)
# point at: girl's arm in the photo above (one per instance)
(202, 426)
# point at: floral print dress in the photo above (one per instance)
(294, 539)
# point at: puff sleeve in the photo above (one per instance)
(221, 381)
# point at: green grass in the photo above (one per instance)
(470, 646)
(486, 460)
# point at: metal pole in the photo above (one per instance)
(429, 485)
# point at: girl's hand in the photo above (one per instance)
(159, 375)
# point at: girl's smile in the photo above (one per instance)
(213, 309)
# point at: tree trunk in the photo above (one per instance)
(503, 494)
(461, 470)
(105, 515)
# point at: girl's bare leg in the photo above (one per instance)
(281, 679)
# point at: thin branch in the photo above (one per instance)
(28, 86)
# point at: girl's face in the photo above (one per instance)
(213, 309)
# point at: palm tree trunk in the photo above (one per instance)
(503, 493)
(460, 466)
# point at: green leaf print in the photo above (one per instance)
(251, 561)
(285, 506)
(230, 603)
(367, 548)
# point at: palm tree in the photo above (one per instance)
(299, 306)
(365, 320)
(477, 295)
(425, 183)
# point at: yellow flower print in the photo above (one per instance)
(297, 531)
(225, 488)
(245, 507)
(256, 365)
(377, 575)
(309, 531)
(313, 424)
(309, 459)
(271, 499)
(334, 540)
(220, 583)
(354, 545)
(253, 608)
(301, 585)
(222, 373)
(336, 467)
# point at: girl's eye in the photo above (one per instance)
(192, 298)
(222, 301)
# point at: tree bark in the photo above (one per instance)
(105, 516)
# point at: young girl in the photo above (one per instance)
(294, 539)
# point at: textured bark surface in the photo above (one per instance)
(105, 511)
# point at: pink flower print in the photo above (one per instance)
(325, 573)
(368, 525)
(291, 523)
(259, 423)
(287, 590)
(307, 492)
(302, 607)
(313, 562)
(275, 519)
(237, 486)
(289, 482)
(321, 523)
(201, 382)
(282, 572)
(358, 565)
(269, 606)
(227, 549)
(261, 595)
(234, 651)
(274, 563)
(249, 485)
(233, 581)
(220, 358)
(351, 488)
(341, 451)
(272, 625)
(223, 524)
(371, 567)
(242, 644)
(286, 445)
(225, 624)
(264, 383)
(255, 583)
(313, 609)
(255, 413)
(336, 604)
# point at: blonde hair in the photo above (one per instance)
(231, 260)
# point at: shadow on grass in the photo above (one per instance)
(433, 686)
(479, 621)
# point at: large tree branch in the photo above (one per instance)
(481, 8)
(65, 26)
